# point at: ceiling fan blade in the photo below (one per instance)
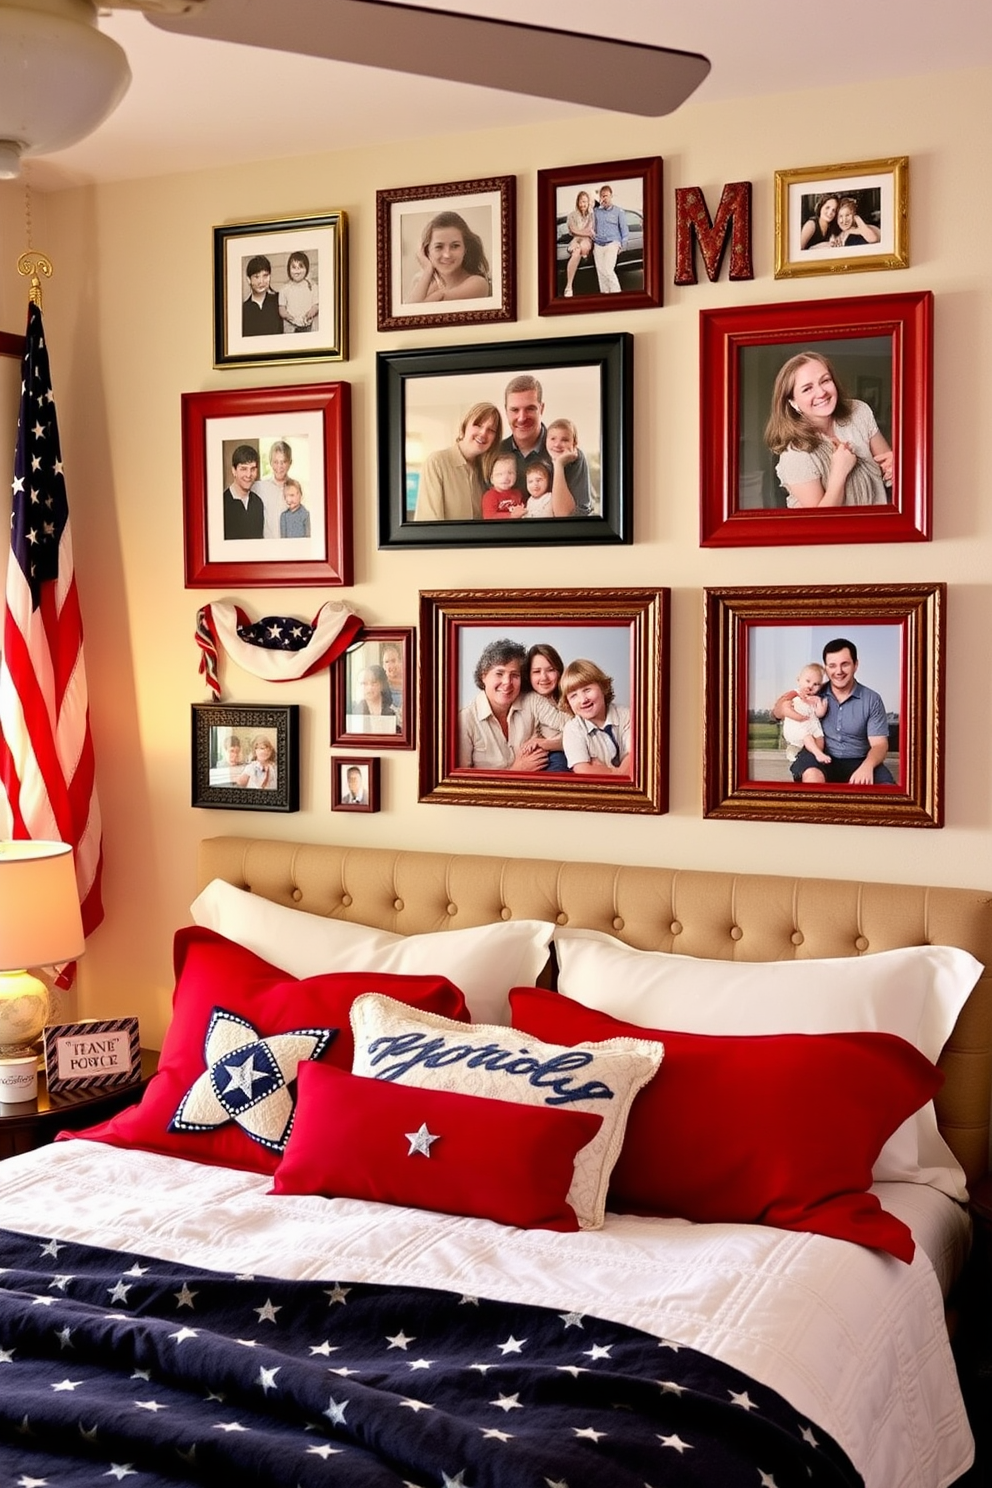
(596, 71)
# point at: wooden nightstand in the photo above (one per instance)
(35, 1123)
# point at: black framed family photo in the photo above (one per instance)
(516, 444)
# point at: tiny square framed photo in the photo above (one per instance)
(281, 291)
(545, 698)
(599, 237)
(267, 487)
(445, 254)
(354, 783)
(511, 444)
(246, 758)
(839, 219)
(373, 697)
(816, 422)
(823, 704)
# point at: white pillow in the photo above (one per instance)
(414, 1047)
(915, 992)
(484, 962)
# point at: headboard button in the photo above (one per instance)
(861, 943)
(561, 918)
(736, 933)
(506, 913)
(676, 927)
(617, 923)
(452, 909)
(397, 903)
(297, 895)
(797, 937)
(346, 901)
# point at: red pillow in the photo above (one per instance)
(354, 1137)
(215, 976)
(777, 1129)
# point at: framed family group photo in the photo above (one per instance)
(816, 422)
(599, 237)
(545, 698)
(281, 291)
(835, 219)
(267, 486)
(246, 758)
(445, 254)
(373, 699)
(824, 704)
(516, 444)
(354, 783)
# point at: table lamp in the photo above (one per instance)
(40, 925)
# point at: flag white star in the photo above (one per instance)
(766, 1479)
(275, 632)
(572, 1319)
(6, 1356)
(507, 1402)
(335, 1411)
(17, 486)
(88, 1433)
(136, 1270)
(420, 1140)
(267, 1314)
(337, 1294)
(456, 1482)
(119, 1292)
(675, 1441)
(229, 1426)
(344, 1371)
(323, 1348)
(670, 1387)
(492, 1433)
(589, 1432)
(573, 1369)
(247, 1342)
(419, 1363)
(244, 1076)
(120, 1470)
(39, 430)
(142, 1374)
(512, 1345)
(26, 1482)
(61, 1282)
(482, 1368)
(150, 1405)
(742, 1399)
(64, 1336)
(598, 1352)
(415, 1405)
(400, 1340)
(807, 1436)
(466, 1301)
(67, 1384)
(325, 1451)
(267, 1378)
(185, 1297)
(184, 1333)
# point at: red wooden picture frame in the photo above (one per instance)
(883, 346)
(214, 424)
(557, 189)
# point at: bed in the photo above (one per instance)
(819, 1346)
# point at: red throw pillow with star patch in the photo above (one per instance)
(361, 1138)
(225, 1090)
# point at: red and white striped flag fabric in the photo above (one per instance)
(47, 784)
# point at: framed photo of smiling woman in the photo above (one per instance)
(445, 254)
(816, 422)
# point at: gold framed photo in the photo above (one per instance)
(842, 219)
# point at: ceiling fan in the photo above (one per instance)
(62, 76)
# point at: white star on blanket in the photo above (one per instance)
(247, 1079)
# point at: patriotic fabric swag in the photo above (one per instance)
(277, 647)
(47, 784)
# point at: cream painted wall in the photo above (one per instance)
(129, 325)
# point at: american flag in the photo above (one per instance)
(47, 785)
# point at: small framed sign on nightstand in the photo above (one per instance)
(97, 1054)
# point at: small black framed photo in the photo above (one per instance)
(246, 758)
(354, 783)
(373, 697)
(516, 444)
(281, 291)
(445, 254)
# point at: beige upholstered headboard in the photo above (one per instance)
(723, 916)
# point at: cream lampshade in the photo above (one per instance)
(40, 925)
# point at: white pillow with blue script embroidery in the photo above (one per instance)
(394, 1042)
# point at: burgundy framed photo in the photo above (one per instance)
(354, 783)
(526, 655)
(865, 666)
(373, 697)
(267, 487)
(816, 422)
(599, 237)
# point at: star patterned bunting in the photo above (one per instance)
(194, 1376)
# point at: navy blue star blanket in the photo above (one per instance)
(116, 1366)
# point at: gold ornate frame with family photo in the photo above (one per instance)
(882, 646)
(281, 291)
(445, 254)
(840, 219)
(614, 641)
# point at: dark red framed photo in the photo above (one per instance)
(267, 487)
(599, 237)
(816, 422)
(373, 696)
(823, 704)
(354, 783)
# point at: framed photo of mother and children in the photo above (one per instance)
(506, 445)
(545, 698)
(839, 219)
(816, 422)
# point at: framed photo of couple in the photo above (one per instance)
(838, 219)
(580, 678)
(816, 422)
(267, 487)
(599, 237)
(514, 444)
(445, 254)
(281, 291)
(824, 704)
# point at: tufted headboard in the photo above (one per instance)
(722, 916)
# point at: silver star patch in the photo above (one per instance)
(420, 1140)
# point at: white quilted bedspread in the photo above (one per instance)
(854, 1340)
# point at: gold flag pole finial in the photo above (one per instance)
(33, 263)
